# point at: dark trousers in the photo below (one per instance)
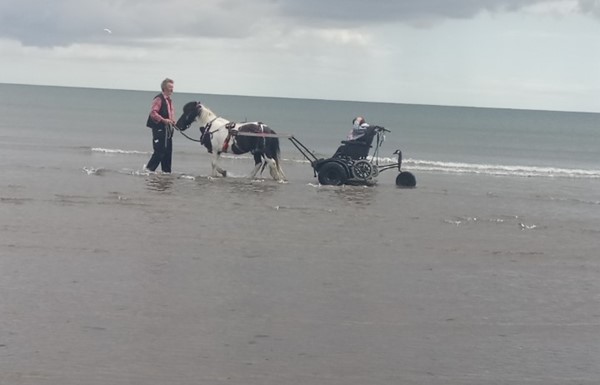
(162, 143)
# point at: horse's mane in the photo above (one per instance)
(206, 114)
(189, 107)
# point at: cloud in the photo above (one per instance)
(357, 11)
(63, 22)
(361, 13)
(590, 6)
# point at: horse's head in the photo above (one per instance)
(191, 111)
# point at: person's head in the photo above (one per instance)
(167, 86)
(358, 121)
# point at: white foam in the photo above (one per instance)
(485, 169)
(500, 170)
(436, 166)
(117, 151)
(93, 170)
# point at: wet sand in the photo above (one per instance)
(152, 280)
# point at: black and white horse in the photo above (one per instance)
(221, 136)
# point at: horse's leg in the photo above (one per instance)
(279, 169)
(213, 163)
(274, 159)
(275, 169)
(257, 165)
(272, 168)
(281, 173)
(216, 169)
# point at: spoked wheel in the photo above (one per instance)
(332, 174)
(375, 171)
(363, 169)
(406, 179)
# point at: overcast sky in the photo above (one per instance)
(530, 54)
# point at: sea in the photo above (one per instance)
(485, 273)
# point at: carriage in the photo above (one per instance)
(350, 164)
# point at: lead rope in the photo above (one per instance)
(170, 129)
(184, 134)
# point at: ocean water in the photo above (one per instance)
(433, 138)
(485, 273)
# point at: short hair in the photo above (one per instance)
(164, 83)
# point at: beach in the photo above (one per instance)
(111, 275)
(238, 282)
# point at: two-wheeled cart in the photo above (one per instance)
(351, 163)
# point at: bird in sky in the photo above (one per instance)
(107, 31)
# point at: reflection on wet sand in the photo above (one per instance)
(358, 195)
(255, 186)
(159, 182)
(237, 186)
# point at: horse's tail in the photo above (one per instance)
(275, 151)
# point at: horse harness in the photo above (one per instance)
(231, 133)
(206, 135)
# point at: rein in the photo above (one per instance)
(184, 134)
(209, 124)
(207, 127)
(207, 131)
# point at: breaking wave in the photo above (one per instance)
(441, 167)
(117, 151)
(500, 170)
(487, 169)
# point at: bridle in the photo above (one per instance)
(206, 126)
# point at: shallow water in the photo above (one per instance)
(153, 279)
(113, 275)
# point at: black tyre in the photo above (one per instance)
(362, 169)
(332, 174)
(406, 179)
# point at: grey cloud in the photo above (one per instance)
(63, 22)
(46, 23)
(367, 12)
(590, 6)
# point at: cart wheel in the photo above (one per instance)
(332, 174)
(406, 179)
(363, 169)
(375, 171)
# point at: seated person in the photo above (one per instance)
(359, 128)
(359, 140)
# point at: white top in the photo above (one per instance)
(358, 131)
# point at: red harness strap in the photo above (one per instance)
(226, 143)
(231, 131)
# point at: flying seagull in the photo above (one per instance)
(107, 30)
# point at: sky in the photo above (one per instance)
(524, 54)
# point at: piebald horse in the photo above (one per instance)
(219, 136)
